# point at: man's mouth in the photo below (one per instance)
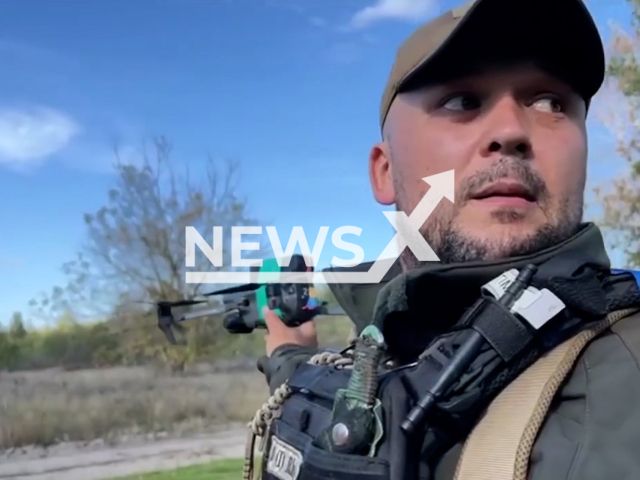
(507, 193)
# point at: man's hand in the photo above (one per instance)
(279, 334)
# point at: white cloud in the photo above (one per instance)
(411, 10)
(32, 134)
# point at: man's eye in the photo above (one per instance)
(548, 105)
(462, 103)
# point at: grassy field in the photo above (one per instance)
(48, 407)
(51, 406)
(219, 470)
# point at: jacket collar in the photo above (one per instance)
(415, 306)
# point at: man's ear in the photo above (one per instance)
(381, 175)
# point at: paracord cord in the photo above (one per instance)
(272, 408)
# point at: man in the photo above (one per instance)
(499, 92)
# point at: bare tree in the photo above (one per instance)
(135, 247)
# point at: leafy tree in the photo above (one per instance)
(17, 329)
(621, 201)
(9, 351)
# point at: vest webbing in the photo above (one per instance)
(500, 445)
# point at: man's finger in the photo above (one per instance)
(272, 320)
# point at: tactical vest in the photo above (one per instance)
(497, 447)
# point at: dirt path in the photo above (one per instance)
(97, 461)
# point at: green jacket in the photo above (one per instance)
(592, 430)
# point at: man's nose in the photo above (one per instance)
(507, 130)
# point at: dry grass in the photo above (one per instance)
(50, 406)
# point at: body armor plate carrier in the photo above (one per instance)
(355, 416)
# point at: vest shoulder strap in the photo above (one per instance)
(500, 445)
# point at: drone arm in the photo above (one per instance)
(203, 313)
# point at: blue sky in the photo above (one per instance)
(288, 87)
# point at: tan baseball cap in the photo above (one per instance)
(558, 34)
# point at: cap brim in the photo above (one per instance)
(559, 35)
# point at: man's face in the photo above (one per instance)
(516, 139)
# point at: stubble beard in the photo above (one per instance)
(452, 243)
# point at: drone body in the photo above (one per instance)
(242, 306)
